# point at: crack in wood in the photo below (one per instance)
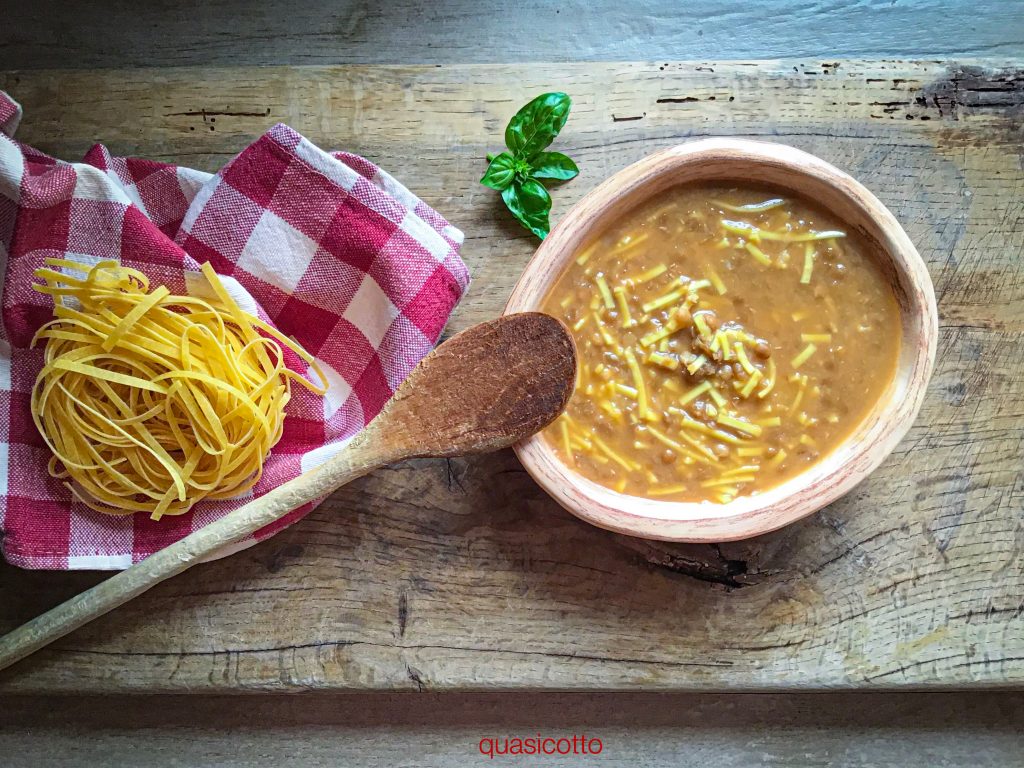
(416, 676)
(55, 650)
(452, 478)
(205, 113)
(970, 89)
(702, 562)
(403, 613)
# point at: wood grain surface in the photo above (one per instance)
(120, 33)
(463, 574)
(979, 729)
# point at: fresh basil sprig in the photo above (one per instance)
(515, 173)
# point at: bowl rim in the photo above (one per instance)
(824, 481)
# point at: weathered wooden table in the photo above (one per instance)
(463, 574)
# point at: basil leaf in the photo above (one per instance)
(553, 165)
(530, 203)
(500, 172)
(515, 173)
(535, 126)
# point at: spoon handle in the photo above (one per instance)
(359, 457)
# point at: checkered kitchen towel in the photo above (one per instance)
(328, 247)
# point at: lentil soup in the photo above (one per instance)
(727, 337)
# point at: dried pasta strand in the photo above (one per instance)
(152, 402)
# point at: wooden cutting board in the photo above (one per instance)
(463, 574)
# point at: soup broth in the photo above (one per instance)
(727, 337)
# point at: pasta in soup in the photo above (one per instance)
(728, 337)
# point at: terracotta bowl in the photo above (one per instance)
(836, 473)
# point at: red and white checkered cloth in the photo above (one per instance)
(327, 247)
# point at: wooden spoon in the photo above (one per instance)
(485, 389)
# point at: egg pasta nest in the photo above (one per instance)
(152, 402)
